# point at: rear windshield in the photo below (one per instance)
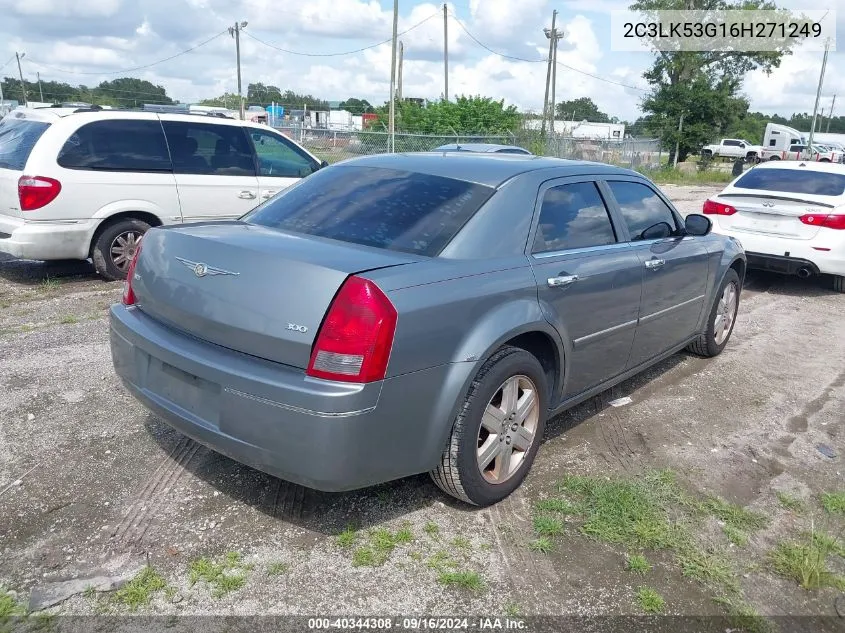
(386, 208)
(17, 138)
(816, 183)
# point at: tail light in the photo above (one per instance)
(35, 192)
(717, 208)
(832, 221)
(128, 293)
(354, 342)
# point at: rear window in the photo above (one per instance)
(117, 145)
(816, 183)
(386, 208)
(17, 138)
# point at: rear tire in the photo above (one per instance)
(713, 339)
(839, 283)
(460, 472)
(114, 247)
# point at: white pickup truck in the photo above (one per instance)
(733, 148)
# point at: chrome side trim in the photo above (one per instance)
(586, 249)
(597, 335)
(654, 315)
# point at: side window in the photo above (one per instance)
(573, 216)
(642, 208)
(116, 145)
(730, 143)
(773, 142)
(209, 149)
(277, 156)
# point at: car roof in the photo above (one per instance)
(52, 115)
(486, 169)
(477, 147)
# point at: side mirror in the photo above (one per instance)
(697, 224)
(657, 231)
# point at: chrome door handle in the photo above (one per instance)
(654, 263)
(268, 194)
(559, 282)
(246, 195)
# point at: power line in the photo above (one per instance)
(7, 63)
(521, 59)
(357, 50)
(129, 70)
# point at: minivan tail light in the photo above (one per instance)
(128, 293)
(35, 192)
(355, 339)
(831, 221)
(717, 208)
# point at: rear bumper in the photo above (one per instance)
(780, 254)
(46, 240)
(320, 434)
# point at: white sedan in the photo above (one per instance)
(789, 217)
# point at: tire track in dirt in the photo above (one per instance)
(131, 530)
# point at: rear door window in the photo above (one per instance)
(17, 138)
(800, 181)
(209, 149)
(573, 216)
(385, 208)
(117, 145)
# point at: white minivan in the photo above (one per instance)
(87, 183)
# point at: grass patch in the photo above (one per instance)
(380, 545)
(347, 538)
(140, 590)
(461, 543)
(708, 569)
(49, 283)
(469, 580)
(512, 609)
(805, 561)
(69, 319)
(9, 607)
(557, 505)
(735, 516)
(833, 502)
(650, 601)
(743, 617)
(441, 562)
(542, 544)
(277, 569)
(735, 536)
(668, 175)
(431, 528)
(545, 525)
(222, 577)
(638, 564)
(788, 502)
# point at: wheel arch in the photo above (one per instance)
(145, 216)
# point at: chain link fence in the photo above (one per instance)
(336, 145)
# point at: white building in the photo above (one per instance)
(583, 129)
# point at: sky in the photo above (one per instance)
(494, 48)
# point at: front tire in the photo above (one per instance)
(721, 320)
(498, 430)
(115, 246)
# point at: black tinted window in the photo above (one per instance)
(641, 207)
(115, 145)
(385, 208)
(512, 151)
(208, 148)
(17, 138)
(731, 143)
(816, 183)
(573, 216)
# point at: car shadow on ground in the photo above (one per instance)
(788, 285)
(32, 273)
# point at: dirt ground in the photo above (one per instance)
(93, 487)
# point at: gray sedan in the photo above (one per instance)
(399, 314)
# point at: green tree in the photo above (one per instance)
(356, 106)
(122, 92)
(464, 115)
(226, 100)
(580, 109)
(682, 79)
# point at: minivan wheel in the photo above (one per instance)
(720, 323)
(498, 430)
(115, 247)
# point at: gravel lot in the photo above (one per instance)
(92, 487)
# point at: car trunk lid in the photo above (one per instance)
(246, 287)
(773, 214)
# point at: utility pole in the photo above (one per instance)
(548, 74)
(555, 39)
(392, 116)
(399, 82)
(445, 53)
(40, 91)
(818, 96)
(829, 114)
(678, 140)
(235, 31)
(20, 72)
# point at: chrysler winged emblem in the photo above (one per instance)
(202, 269)
(769, 204)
